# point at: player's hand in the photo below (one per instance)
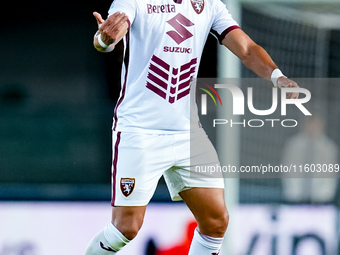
(284, 82)
(110, 27)
(99, 19)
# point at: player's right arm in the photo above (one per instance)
(110, 31)
(256, 59)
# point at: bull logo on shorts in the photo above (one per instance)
(127, 186)
(198, 5)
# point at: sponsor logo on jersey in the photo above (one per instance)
(163, 8)
(198, 5)
(127, 186)
(179, 23)
(170, 83)
(177, 49)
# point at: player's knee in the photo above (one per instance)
(128, 220)
(130, 231)
(216, 225)
(221, 224)
(226, 220)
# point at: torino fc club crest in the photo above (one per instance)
(198, 5)
(127, 185)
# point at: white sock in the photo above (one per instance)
(107, 242)
(205, 245)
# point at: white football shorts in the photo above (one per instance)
(139, 161)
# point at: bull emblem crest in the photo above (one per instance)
(198, 5)
(127, 186)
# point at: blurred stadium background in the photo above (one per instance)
(56, 100)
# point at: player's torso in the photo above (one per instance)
(166, 40)
(172, 30)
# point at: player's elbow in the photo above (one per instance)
(257, 60)
(247, 53)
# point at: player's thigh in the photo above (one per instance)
(196, 167)
(209, 209)
(139, 161)
(198, 155)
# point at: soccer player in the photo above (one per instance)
(152, 128)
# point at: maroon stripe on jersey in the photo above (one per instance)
(114, 169)
(126, 63)
(172, 90)
(188, 65)
(171, 100)
(225, 32)
(183, 94)
(160, 62)
(184, 85)
(159, 72)
(157, 81)
(156, 90)
(173, 81)
(187, 74)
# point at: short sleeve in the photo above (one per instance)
(223, 22)
(127, 6)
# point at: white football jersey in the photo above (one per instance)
(163, 49)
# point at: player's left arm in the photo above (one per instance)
(255, 58)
